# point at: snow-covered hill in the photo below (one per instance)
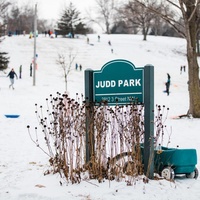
(22, 164)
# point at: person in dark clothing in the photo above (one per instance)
(168, 83)
(12, 75)
(20, 71)
(184, 68)
(76, 66)
(31, 69)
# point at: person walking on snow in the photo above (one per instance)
(168, 83)
(12, 75)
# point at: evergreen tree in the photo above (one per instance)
(81, 28)
(4, 60)
(2, 30)
(71, 23)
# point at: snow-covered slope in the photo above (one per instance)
(22, 164)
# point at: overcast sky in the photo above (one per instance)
(51, 9)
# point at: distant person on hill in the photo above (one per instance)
(181, 68)
(76, 66)
(20, 71)
(56, 34)
(30, 35)
(168, 83)
(31, 69)
(184, 68)
(12, 75)
(49, 33)
(98, 38)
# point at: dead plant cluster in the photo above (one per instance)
(114, 135)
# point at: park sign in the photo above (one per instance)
(118, 82)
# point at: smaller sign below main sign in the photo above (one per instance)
(118, 82)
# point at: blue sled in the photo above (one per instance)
(12, 116)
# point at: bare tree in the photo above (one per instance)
(22, 19)
(138, 16)
(188, 10)
(4, 4)
(106, 10)
(3, 7)
(160, 26)
(198, 32)
(4, 60)
(66, 66)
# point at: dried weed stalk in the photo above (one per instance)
(115, 143)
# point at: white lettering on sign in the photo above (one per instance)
(120, 83)
(137, 82)
(129, 83)
(105, 84)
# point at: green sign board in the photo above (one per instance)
(118, 81)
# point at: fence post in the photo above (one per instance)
(89, 114)
(149, 121)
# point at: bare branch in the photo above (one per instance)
(174, 4)
(194, 11)
(66, 66)
(3, 7)
(168, 19)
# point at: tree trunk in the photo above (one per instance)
(144, 36)
(193, 68)
(107, 28)
(144, 31)
(194, 90)
(66, 82)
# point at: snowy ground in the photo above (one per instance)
(22, 164)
